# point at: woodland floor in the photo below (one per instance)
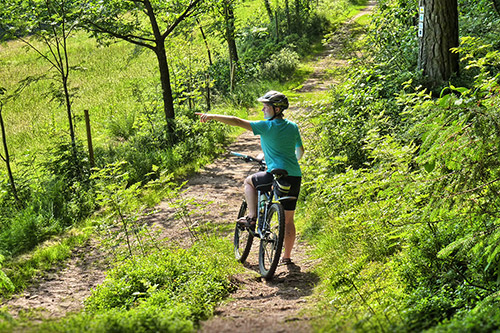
(279, 305)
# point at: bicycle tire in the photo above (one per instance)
(271, 244)
(243, 239)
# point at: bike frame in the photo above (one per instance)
(270, 228)
(269, 198)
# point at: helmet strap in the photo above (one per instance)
(275, 114)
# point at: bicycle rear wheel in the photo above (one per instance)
(271, 243)
(242, 237)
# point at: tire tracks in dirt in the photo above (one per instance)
(279, 305)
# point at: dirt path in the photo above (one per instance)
(62, 290)
(258, 305)
(282, 304)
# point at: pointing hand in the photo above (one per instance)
(203, 117)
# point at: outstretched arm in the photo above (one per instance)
(229, 120)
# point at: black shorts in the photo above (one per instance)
(264, 180)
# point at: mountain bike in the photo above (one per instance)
(270, 224)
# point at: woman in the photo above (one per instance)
(282, 146)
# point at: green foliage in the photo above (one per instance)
(6, 320)
(5, 282)
(25, 230)
(170, 317)
(393, 36)
(364, 214)
(120, 201)
(169, 291)
(69, 189)
(405, 196)
(281, 66)
(121, 127)
(452, 260)
(353, 109)
(269, 53)
(23, 270)
(55, 203)
(219, 72)
(153, 145)
(52, 205)
(479, 19)
(484, 317)
(134, 19)
(51, 23)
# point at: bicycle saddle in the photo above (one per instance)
(279, 172)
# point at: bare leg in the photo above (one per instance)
(289, 232)
(251, 197)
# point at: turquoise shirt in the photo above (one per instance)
(279, 138)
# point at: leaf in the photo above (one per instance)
(462, 90)
(6, 283)
(444, 101)
(462, 243)
(429, 166)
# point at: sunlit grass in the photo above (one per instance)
(250, 10)
(102, 80)
(23, 270)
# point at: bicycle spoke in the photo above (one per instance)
(243, 239)
(272, 243)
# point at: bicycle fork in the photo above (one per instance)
(262, 211)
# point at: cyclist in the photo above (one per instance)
(282, 146)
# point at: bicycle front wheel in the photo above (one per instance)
(242, 237)
(271, 242)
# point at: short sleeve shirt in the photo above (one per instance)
(279, 138)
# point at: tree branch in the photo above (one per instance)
(137, 40)
(181, 18)
(472, 189)
(37, 51)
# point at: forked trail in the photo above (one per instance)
(258, 305)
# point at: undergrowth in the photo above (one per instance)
(401, 190)
(167, 290)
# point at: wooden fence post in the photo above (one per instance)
(89, 138)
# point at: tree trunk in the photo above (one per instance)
(209, 54)
(269, 10)
(230, 30)
(276, 22)
(7, 160)
(168, 100)
(440, 34)
(68, 108)
(297, 15)
(288, 18)
(161, 56)
(496, 6)
(231, 41)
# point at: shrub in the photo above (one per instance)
(484, 317)
(281, 66)
(121, 126)
(479, 19)
(5, 282)
(415, 208)
(167, 291)
(25, 230)
(170, 147)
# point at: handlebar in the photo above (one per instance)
(248, 158)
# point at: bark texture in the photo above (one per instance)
(440, 34)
